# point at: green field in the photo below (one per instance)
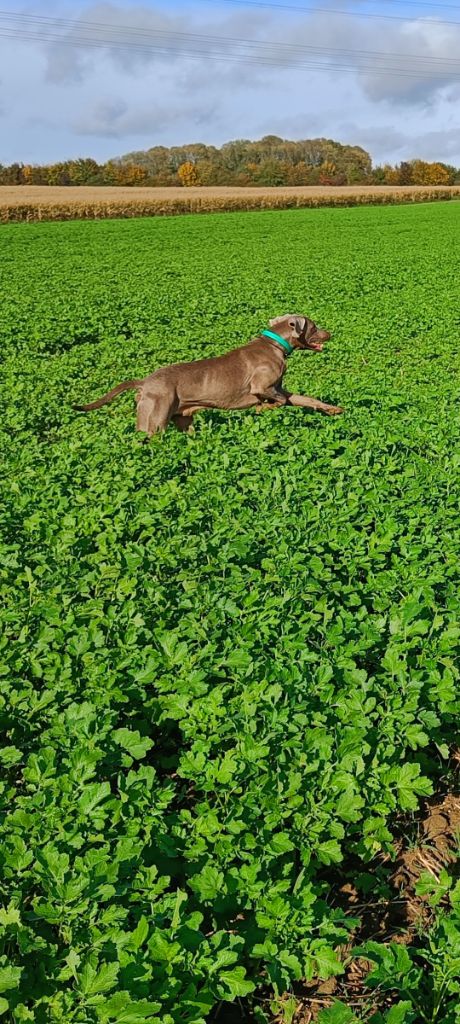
(229, 662)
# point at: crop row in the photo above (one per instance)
(192, 203)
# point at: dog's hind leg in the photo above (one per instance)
(184, 423)
(154, 413)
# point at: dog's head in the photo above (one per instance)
(300, 331)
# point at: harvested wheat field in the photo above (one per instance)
(43, 202)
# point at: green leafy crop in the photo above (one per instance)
(227, 661)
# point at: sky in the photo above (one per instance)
(103, 79)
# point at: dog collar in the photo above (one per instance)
(280, 340)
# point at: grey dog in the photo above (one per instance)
(246, 376)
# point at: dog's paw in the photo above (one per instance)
(334, 410)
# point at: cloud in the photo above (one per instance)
(401, 62)
(294, 75)
(383, 139)
(396, 63)
(137, 37)
(116, 120)
(131, 33)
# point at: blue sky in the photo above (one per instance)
(213, 70)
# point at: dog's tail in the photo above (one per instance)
(128, 385)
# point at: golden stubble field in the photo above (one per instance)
(43, 202)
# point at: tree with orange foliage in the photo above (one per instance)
(28, 174)
(187, 174)
(391, 175)
(424, 173)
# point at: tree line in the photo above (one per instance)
(268, 161)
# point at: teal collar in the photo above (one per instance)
(281, 341)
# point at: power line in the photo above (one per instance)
(262, 48)
(324, 10)
(402, 3)
(256, 60)
(80, 23)
(417, 3)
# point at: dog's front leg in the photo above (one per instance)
(312, 403)
(271, 395)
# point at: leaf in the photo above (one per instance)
(120, 1009)
(9, 978)
(10, 755)
(329, 852)
(393, 662)
(161, 948)
(400, 1013)
(236, 983)
(72, 963)
(140, 933)
(416, 737)
(411, 784)
(280, 843)
(349, 806)
(208, 883)
(181, 897)
(92, 796)
(292, 963)
(435, 888)
(10, 916)
(54, 863)
(338, 1013)
(4, 1005)
(132, 741)
(328, 964)
(92, 982)
(240, 660)
(227, 768)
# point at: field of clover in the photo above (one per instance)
(228, 661)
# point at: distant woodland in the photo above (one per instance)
(268, 161)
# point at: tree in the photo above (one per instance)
(235, 154)
(424, 173)
(12, 175)
(391, 175)
(405, 173)
(84, 171)
(378, 175)
(187, 174)
(30, 174)
(327, 173)
(269, 172)
(210, 173)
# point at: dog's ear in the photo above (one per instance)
(297, 325)
(275, 320)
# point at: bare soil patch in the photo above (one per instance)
(402, 916)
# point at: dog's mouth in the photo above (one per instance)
(317, 340)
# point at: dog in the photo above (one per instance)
(251, 375)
